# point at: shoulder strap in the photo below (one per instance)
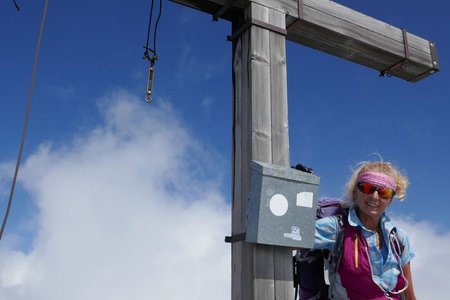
(398, 248)
(336, 253)
(395, 242)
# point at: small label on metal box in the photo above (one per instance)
(295, 234)
(305, 199)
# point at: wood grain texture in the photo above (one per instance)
(260, 132)
(340, 31)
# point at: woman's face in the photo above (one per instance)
(370, 205)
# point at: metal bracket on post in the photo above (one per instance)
(223, 10)
(403, 63)
(248, 23)
(434, 64)
(235, 238)
(299, 13)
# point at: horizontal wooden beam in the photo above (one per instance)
(343, 32)
(340, 31)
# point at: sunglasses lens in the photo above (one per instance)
(366, 188)
(383, 192)
(386, 193)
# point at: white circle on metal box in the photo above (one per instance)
(278, 205)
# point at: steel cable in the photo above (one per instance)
(27, 117)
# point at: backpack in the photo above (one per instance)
(312, 267)
(309, 266)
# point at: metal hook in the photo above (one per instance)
(151, 73)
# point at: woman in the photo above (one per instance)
(376, 259)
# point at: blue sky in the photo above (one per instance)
(101, 165)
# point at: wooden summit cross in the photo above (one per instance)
(260, 119)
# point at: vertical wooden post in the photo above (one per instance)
(260, 132)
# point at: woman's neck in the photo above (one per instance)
(369, 222)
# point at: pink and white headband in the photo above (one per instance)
(378, 179)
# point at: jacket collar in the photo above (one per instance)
(353, 220)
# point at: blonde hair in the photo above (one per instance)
(386, 168)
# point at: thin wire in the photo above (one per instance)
(154, 58)
(27, 117)
(16, 5)
(147, 48)
(148, 31)
(156, 26)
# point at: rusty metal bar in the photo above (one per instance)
(434, 64)
(404, 62)
(236, 238)
(258, 23)
(223, 10)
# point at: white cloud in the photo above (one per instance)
(430, 264)
(130, 210)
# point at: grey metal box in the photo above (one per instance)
(282, 206)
